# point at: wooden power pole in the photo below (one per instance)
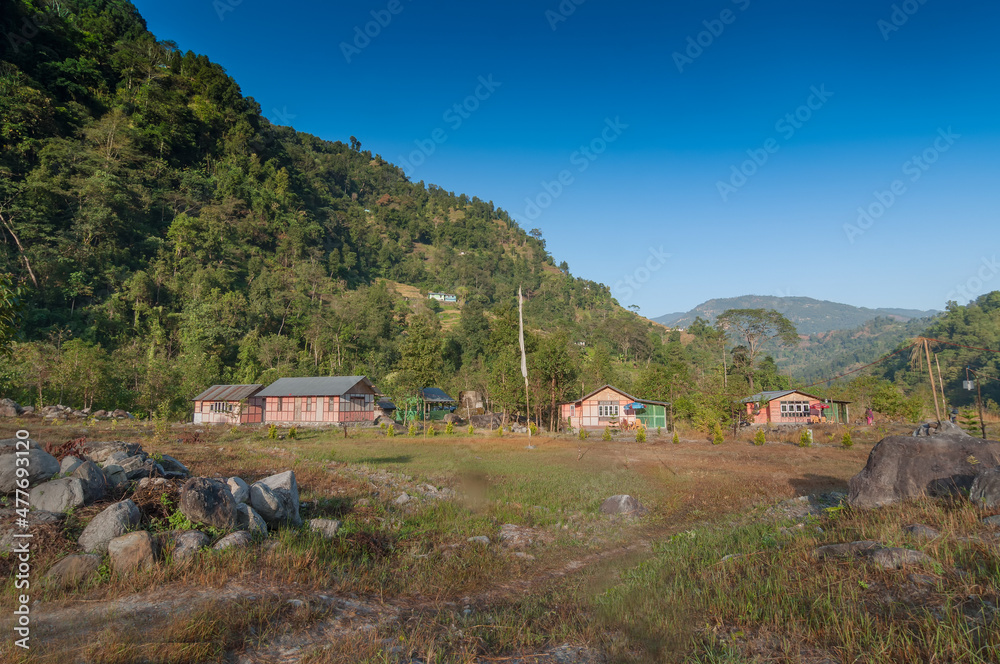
(930, 371)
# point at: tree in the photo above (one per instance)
(420, 361)
(555, 368)
(10, 313)
(756, 326)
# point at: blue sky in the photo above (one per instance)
(675, 151)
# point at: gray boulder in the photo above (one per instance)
(905, 467)
(58, 495)
(113, 522)
(241, 539)
(209, 502)
(117, 458)
(896, 558)
(41, 465)
(99, 451)
(922, 532)
(239, 489)
(68, 465)
(326, 527)
(478, 539)
(985, 490)
(9, 408)
(137, 550)
(623, 504)
(989, 521)
(186, 543)
(95, 484)
(114, 474)
(171, 465)
(284, 489)
(248, 519)
(72, 570)
(846, 549)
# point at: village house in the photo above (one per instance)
(320, 400)
(610, 407)
(443, 297)
(229, 404)
(794, 407)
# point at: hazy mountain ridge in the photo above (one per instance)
(810, 316)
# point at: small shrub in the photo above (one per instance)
(430, 430)
(677, 439)
(381, 425)
(532, 428)
(272, 432)
(640, 435)
(607, 434)
(583, 434)
(390, 432)
(412, 430)
(659, 431)
(500, 432)
(293, 432)
(717, 437)
(806, 439)
(472, 429)
(847, 441)
(759, 438)
(449, 428)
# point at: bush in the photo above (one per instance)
(806, 439)
(717, 437)
(677, 439)
(412, 430)
(472, 429)
(272, 432)
(532, 428)
(607, 434)
(430, 430)
(759, 438)
(390, 431)
(583, 434)
(659, 431)
(500, 431)
(640, 435)
(381, 425)
(293, 433)
(846, 441)
(449, 428)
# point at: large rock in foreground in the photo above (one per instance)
(985, 490)
(906, 467)
(209, 502)
(276, 499)
(113, 522)
(58, 496)
(41, 465)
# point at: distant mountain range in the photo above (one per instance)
(810, 316)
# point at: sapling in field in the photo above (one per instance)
(847, 441)
(676, 439)
(449, 428)
(758, 438)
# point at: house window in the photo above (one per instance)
(308, 404)
(795, 409)
(221, 407)
(607, 409)
(281, 403)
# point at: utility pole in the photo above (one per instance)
(979, 399)
(944, 401)
(930, 371)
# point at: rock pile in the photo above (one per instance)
(233, 511)
(10, 408)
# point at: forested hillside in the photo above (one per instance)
(166, 236)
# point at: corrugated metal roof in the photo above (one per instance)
(385, 404)
(622, 392)
(436, 395)
(322, 386)
(228, 393)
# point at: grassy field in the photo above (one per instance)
(402, 580)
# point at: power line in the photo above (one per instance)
(853, 371)
(952, 343)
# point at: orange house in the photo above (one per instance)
(321, 400)
(606, 406)
(794, 407)
(229, 404)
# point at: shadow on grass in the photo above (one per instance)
(377, 461)
(812, 483)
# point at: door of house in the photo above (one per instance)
(297, 412)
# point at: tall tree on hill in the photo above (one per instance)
(556, 369)
(420, 360)
(756, 326)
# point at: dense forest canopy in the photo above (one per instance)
(159, 235)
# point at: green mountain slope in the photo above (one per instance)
(159, 222)
(810, 316)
